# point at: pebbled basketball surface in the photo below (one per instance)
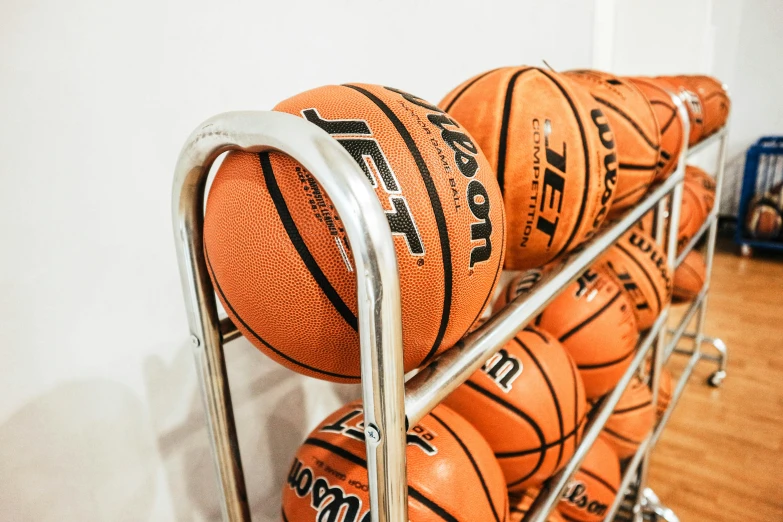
(553, 153)
(283, 266)
(452, 474)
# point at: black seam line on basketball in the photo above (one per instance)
(301, 248)
(539, 432)
(536, 333)
(632, 408)
(586, 151)
(608, 363)
(652, 284)
(497, 272)
(621, 437)
(599, 479)
(545, 447)
(668, 123)
(635, 125)
(473, 462)
(468, 86)
(282, 512)
(552, 391)
(247, 327)
(413, 492)
(601, 310)
(633, 166)
(500, 171)
(640, 188)
(437, 210)
(693, 272)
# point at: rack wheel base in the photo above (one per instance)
(654, 511)
(746, 250)
(716, 379)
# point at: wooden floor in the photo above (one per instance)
(721, 456)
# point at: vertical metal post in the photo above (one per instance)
(669, 236)
(378, 294)
(711, 239)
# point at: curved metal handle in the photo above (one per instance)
(378, 292)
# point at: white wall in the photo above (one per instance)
(100, 416)
(737, 41)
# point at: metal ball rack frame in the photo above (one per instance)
(390, 403)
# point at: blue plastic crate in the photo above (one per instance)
(763, 169)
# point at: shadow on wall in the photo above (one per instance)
(82, 451)
(274, 409)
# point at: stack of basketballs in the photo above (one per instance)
(515, 168)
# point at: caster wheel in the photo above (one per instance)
(746, 250)
(716, 379)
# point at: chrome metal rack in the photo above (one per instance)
(390, 403)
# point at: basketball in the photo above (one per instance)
(664, 391)
(692, 104)
(639, 263)
(592, 490)
(452, 474)
(593, 319)
(631, 420)
(645, 224)
(553, 152)
(522, 283)
(528, 401)
(519, 505)
(703, 185)
(714, 101)
(635, 130)
(692, 215)
(689, 277)
(763, 221)
(669, 124)
(279, 258)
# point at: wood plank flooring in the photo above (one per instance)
(721, 456)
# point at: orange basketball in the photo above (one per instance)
(640, 265)
(452, 474)
(635, 129)
(692, 104)
(664, 391)
(714, 101)
(554, 155)
(703, 185)
(281, 263)
(594, 487)
(519, 505)
(631, 420)
(669, 124)
(692, 215)
(522, 283)
(529, 403)
(689, 277)
(764, 220)
(593, 319)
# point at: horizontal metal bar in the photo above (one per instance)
(551, 491)
(628, 475)
(686, 374)
(707, 142)
(228, 330)
(697, 236)
(686, 319)
(440, 377)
